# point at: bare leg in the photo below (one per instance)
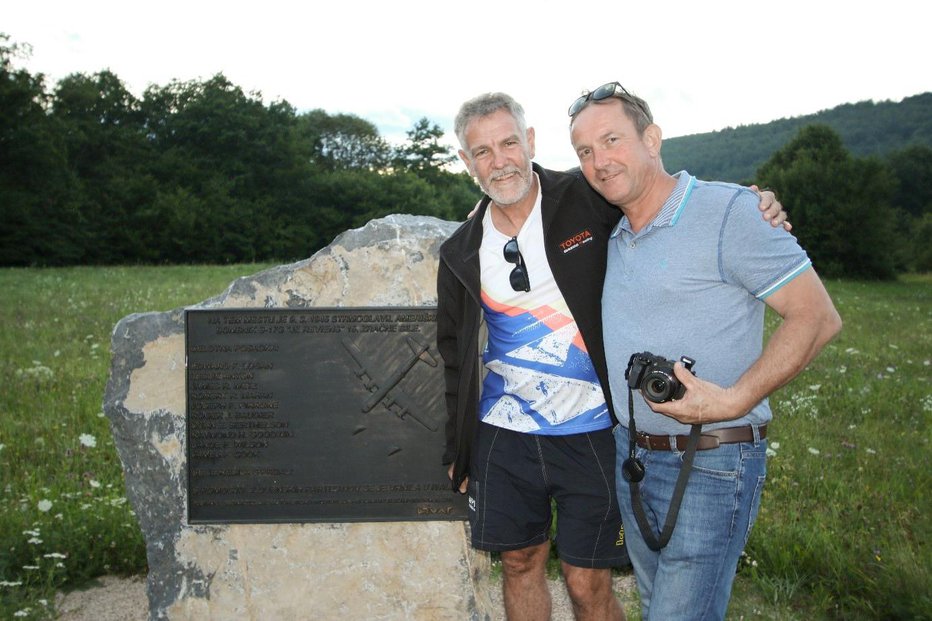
(524, 583)
(591, 592)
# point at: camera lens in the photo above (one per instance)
(658, 387)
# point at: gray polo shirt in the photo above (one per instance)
(692, 282)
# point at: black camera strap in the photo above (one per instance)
(634, 482)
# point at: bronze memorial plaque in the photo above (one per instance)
(316, 415)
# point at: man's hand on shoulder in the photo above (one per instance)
(476, 208)
(771, 209)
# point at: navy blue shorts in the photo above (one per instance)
(513, 478)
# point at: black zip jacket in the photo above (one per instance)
(577, 223)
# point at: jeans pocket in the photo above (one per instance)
(720, 463)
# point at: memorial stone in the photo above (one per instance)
(288, 571)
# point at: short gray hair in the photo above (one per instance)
(484, 105)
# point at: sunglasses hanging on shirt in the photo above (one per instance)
(518, 277)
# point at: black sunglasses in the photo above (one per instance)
(518, 277)
(611, 89)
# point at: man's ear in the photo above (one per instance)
(530, 141)
(653, 138)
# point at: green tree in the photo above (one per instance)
(38, 225)
(423, 154)
(912, 168)
(237, 160)
(841, 206)
(109, 156)
(342, 141)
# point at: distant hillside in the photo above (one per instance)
(867, 128)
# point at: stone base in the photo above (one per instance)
(384, 570)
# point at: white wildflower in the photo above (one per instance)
(813, 451)
(87, 440)
(94, 483)
(871, 451)
(44, 505)
(815, 387)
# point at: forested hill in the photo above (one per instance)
(866, 128)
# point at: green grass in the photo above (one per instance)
(63, 514)
(845, 519)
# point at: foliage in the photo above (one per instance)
(866, 128)
(840, 205)
(423, 154)
(203, 172)
(196, 172)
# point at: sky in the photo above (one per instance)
(702, 66)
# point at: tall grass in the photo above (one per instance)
(845, 520)
(63, 513)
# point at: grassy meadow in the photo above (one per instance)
(845, 521)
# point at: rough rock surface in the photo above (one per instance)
(392, 570)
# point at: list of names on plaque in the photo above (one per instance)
(315, 415)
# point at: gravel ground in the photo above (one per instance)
(112, 598)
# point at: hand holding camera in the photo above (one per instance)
(654, 376)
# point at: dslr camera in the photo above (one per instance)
(653, 376)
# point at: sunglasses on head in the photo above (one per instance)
(518, 277)
(610, 89)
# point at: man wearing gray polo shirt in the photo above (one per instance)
(690, 268)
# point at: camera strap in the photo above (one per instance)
(634, 482)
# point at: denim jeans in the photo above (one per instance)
(691, 577)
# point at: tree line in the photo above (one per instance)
(202, 172)
(196, 171)
(866, 128)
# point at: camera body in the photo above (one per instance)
(654, 377)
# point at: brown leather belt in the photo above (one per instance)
(708, 440)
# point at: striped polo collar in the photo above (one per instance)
(672, 208)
